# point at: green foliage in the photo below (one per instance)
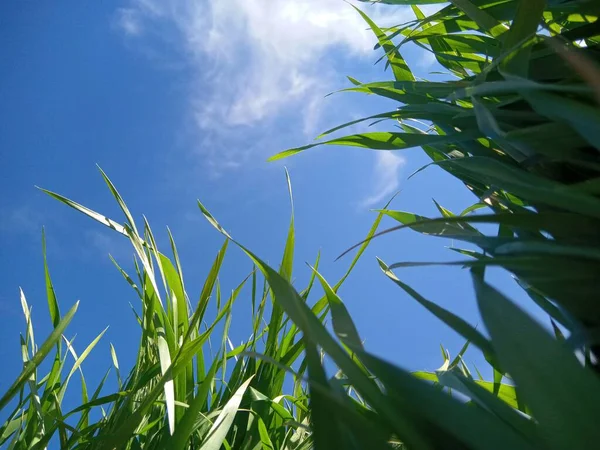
(178, 393)
(170, 399)
(517, 124)
(516, 120)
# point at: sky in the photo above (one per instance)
(185, 100)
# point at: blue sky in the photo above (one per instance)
(184, 100)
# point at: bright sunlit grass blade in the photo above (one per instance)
(52, 302)
(188, 422)
(380, 140)
(165, 363)
(395, 60)
(88, 212)
(120, 201)
(39, 356)
(288, 253)
(220, 427)
(78, 361)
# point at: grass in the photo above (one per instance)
(516, 121)
(189, 387)
(515, 118)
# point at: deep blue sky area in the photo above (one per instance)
(154, 97)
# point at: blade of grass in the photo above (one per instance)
(39, 356)
(541, 365)
(221, 426)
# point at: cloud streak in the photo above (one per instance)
(278, 54)
(21, 220)
(386, 178)
(107, 243)
(253, 61)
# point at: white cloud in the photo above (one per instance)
(129, 20)
(255, 56)
(386, 176)
(283, 48)
(256, 59)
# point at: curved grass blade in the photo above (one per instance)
(188, 422)
(458, 324)
(221, 426)
(395, 60)
(39, 356)
(343, 325)
(474, 428)
(313, 329)
(563, 395)
(385, 141)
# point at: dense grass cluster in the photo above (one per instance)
(517, 121)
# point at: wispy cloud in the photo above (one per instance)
(129, 20)
(254, 60)
(107, 242)
(386, 177)
(21, 220)
(276, 54)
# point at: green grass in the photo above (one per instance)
(189, 387)
(516, 121)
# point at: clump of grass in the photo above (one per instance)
(178, 393)
(517, 122)
(368, 403)
(490, 129)
(516, 119)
